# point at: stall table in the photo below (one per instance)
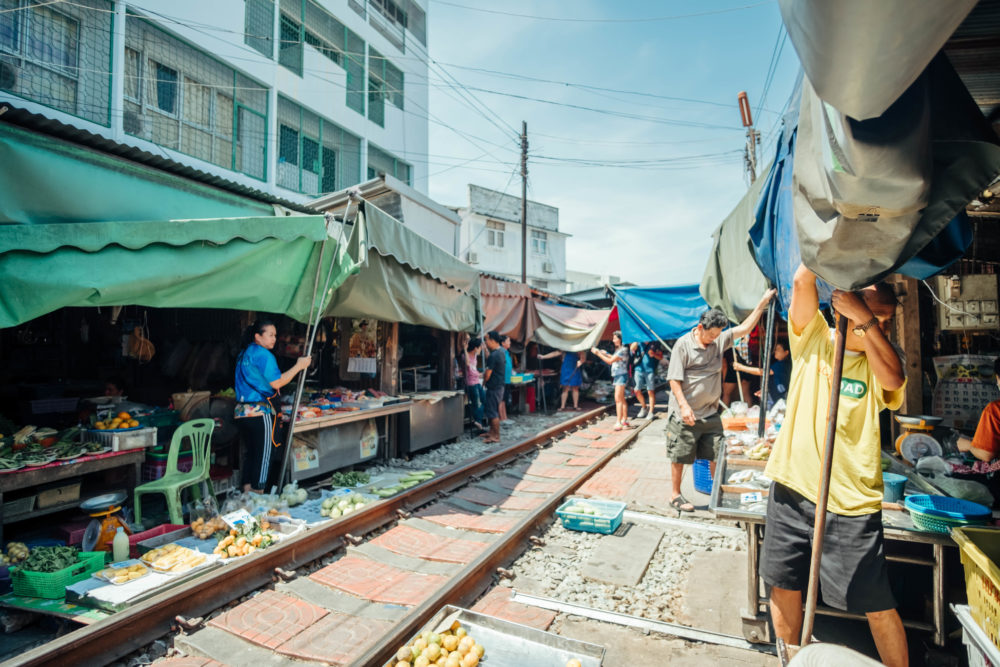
(434, 417)
(726, 504)
(131, 460)
(337, 439)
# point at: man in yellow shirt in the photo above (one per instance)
(853, 571)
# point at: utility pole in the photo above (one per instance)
(753, 136)
(524, 201)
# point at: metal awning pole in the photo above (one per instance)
(765, 368)
(311, 329)
(819, 527)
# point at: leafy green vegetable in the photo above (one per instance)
(50, 559)
(350, 478)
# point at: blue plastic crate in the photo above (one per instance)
(606, 521)
(703, 476)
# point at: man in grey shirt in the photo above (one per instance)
(694, 428)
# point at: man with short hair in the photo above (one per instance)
(694, 427)
(496, 362)
(853, 572)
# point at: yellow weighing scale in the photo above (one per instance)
(916, 441)
(106, 510)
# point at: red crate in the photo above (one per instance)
(135, 538)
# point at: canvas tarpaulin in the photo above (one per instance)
(406, 278)
(264, 264)
(570, 329)
(732, 282)
(508, 308)
(861, 55)
(47, 180)
(648, 313)
(870, 195)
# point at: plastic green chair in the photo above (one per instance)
(173, 482)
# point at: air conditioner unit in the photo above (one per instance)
(472, 258)
(8, 75)
(547, 267)
(132, 123)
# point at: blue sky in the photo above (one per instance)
(641, 196)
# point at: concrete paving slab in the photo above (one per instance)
(713, 602)
(335, 601)
(231, 650)
(628, 647)
(623, 560)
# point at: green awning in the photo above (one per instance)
(406, 278)
(264, 264)
(47, 180)
(732, 281)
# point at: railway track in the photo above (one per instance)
(138, 626)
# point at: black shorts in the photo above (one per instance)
(493, 399)
(852, 574)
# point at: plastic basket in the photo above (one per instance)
(52, 585)
(938, 524)
(946, 507)
(703, 476)
(611, 512)
(124, 440)
(980, 552)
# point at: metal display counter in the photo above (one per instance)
(324, 444)
(738, 502)
(434, 418)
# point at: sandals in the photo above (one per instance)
(681, 504)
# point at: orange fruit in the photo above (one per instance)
(124, 415)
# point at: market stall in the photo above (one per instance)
(404, 279)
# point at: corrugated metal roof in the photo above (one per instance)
(974, 51)
(17, 116)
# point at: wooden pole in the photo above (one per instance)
(819, 527)
(765, 368)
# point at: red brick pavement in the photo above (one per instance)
(655, 470)
(410, 541)
(497, 603)
(269, 618)
(448, 515)
(188, 661)
(651, 492)
(572, 450)
(371, 580)
(503, 501)
(337, 639)
(610, 483)
(527, 485)
(589, 434)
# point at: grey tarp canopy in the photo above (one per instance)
(861, 55)
(732, 282)
(406, 278)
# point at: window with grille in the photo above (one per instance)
(59, 55)
(315, 156)
(290, 39)
(494, 233)
(380, 162)
(180, 98)
(258, 26)
(539, 242)
(385, 82)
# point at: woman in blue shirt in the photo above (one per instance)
(258, 380)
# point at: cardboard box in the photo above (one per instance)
(58, 495)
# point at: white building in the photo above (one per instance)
(436, 223)
(291, 97)
(491, 239)
(580, 280)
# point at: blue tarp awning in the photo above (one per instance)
(648, 313)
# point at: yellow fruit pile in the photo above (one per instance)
(452, 648)
(123, 575)
(205, 529)
(121, 420)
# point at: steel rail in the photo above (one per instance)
(128, 630)
(467, 585)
